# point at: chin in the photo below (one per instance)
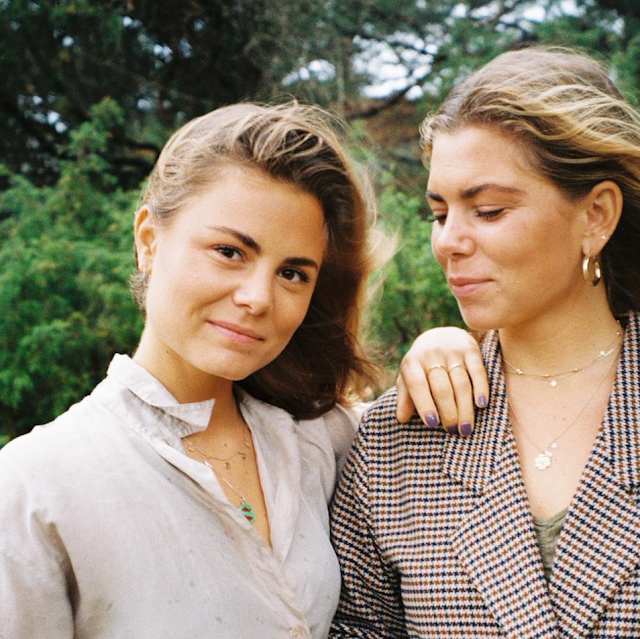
(231, 373)
(235, 367)
(479, 321)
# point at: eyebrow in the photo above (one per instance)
(471, 192)
(249, 242)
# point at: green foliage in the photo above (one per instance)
(65, 258)
(162, 62)
(92, 90)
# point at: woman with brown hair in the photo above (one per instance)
(528, 528)
(187, 495)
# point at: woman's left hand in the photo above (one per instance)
(441, 377)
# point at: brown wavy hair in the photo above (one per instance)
(578, 131)
(324, 361)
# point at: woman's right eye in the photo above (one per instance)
(229, 252)
(438, 217)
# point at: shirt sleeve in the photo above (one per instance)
(370, 601)
(34, 584)
(342, 425)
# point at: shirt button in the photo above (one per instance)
(296, 633)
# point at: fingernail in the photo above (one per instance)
(465, 429)
(432, 420)
(482, 401)
(452, 430)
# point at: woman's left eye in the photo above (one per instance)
(294, 275)
(230, 252)
(490, 214)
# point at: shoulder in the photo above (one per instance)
(385, 443)
(44, 444)
(321, 444)
(632, 333)
(384, 408)
(37, 470)
(379, 420)
(56, 451)
(331, 433)
(341, 424)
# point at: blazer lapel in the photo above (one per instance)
(598, 547)
(495, 542)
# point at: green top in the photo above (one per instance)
(548, 531)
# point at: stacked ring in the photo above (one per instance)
(435, 366)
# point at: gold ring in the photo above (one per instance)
(435, 366)
(455, 366)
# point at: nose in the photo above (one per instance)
(452, 238)
(254, 291)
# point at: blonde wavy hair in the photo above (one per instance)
(324, 361)
(578, 131)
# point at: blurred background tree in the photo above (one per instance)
(93, 88)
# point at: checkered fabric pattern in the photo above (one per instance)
(436, 539)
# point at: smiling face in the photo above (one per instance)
(231, 277)
(508, 240)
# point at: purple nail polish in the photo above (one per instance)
(482, 401)
(452, 430)
(465, 429)
(432, 420)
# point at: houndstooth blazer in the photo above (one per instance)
(436, 539)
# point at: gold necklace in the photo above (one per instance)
(245, 508)
(553, 379)
(542, 460)
(225, 460)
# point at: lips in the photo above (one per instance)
(465, 286)
(237, 333)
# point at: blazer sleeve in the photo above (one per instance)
(370, 601)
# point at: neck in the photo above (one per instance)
(560, 340)
(183, 380)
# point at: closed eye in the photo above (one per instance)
(438, 217)
(487, 215)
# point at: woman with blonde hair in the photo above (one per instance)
(528, 528)
(187, 495)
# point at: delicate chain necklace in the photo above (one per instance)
(245, 508)
(225, 460)
(553, 379)
(542, 460)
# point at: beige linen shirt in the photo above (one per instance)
(108, 530)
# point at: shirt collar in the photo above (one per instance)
(151, 391)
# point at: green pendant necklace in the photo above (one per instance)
(245, 508)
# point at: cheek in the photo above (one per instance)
(172, 294)
(186, 275)
(162, 289)
(292, 315)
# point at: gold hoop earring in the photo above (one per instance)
(591, 270)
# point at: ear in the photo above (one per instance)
(604, 207)
(145, 233)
